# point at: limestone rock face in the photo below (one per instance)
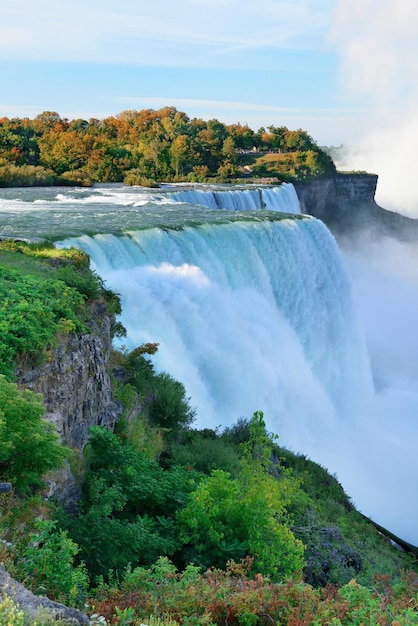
(346, 203)
(31, 604)
(328, 198)
(76, 389)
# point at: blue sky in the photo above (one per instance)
(320, 65)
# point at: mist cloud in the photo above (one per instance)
(378, 46)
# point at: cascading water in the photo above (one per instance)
(283, 198)
(249, 316)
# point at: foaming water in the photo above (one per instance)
(248, 316)
(283, 198)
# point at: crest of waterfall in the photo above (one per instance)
(282, 198)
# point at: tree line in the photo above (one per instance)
(149, 145)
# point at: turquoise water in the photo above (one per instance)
(58, 212)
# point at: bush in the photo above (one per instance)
(136, 178)
(130, 502)
(228, 519)
(26, 176)
(32, 311)
(10, 614)
(205, 453)
(87, 282)
(170, 408)
(47, 566)
(29, 445)
(231, 597)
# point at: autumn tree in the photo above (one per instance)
(65, 151)
(180, 153)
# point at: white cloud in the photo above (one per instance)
(218, 105)
(161, 32)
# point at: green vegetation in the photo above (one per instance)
(147, 147)
(29, 446)
(232, 597)
(48, 559)
(175, 525)
(43, 294)
(291, 166)
(130, 501)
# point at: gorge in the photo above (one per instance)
(254, 310)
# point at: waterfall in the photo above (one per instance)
(256, 313)
(249, 316)
(282, 198)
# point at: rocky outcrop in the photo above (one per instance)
(76, 390)
(33, 605)
(346, 203)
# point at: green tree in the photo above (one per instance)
(180, 153)
(298, 141)
(228, 519)
(48, 565)
(278, 134)
(130, 502)
(243, 136)
(170, 406)
(29, 445)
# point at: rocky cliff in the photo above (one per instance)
(76, 389)
(37, 607)
(347, 203)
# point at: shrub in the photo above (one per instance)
(129, 501)
(136, 178)
(26, 176)
(31, 310)
(205, 453)
(29, 445)
(87, 282)
(10, 614)
(227, 519)
(231, 597)
(170, 408)
(47, 566)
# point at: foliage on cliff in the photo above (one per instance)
(255, 517)
(43, 293)
(142, 147)
(233, 597)
(29, 445)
